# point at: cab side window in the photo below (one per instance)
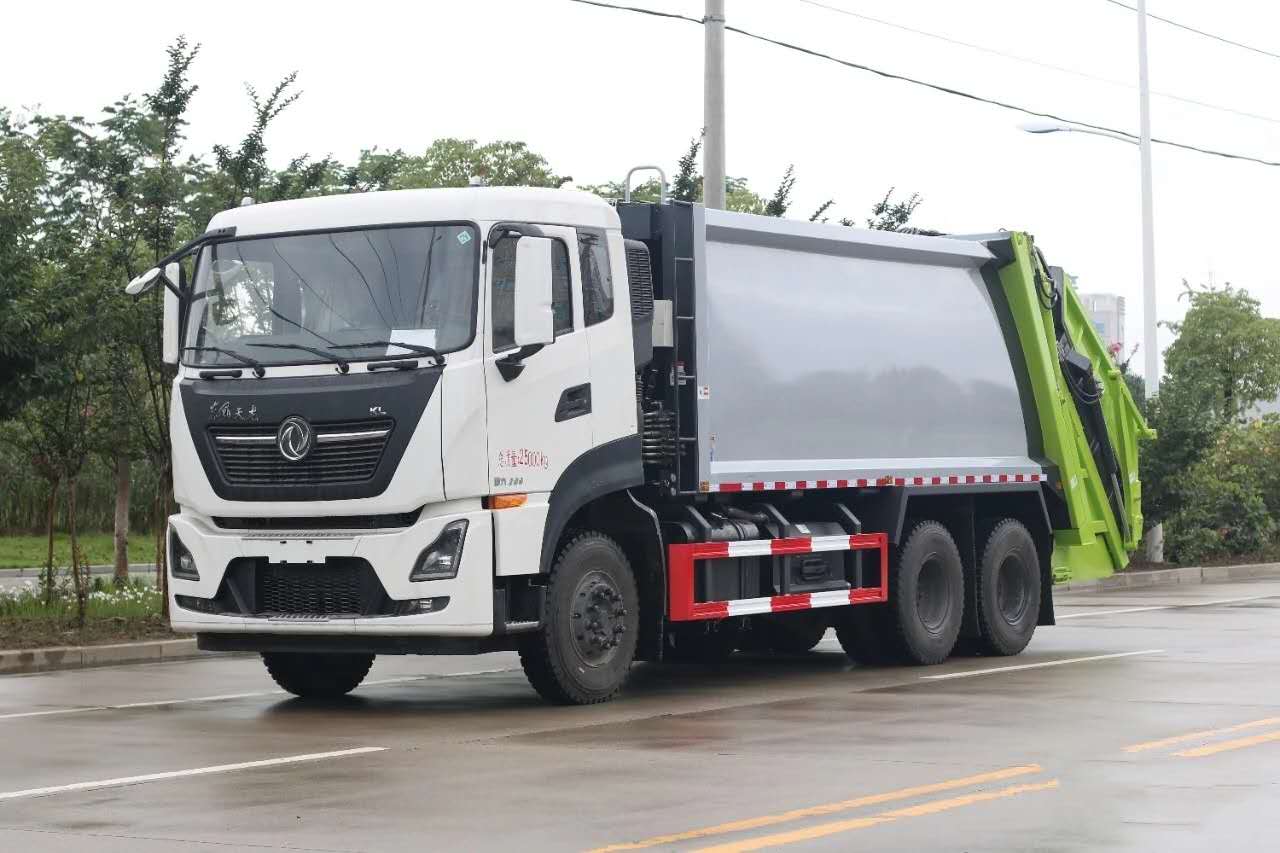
(597, 282)
(504, 275)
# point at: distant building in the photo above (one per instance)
(1106, 310)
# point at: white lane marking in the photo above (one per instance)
(407, 678)
(162, 702)
(1163, 607)
(195, 771)
(1040, 665)
(222, 697)
(51, 713)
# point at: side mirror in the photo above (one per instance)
(534, 320)
(143, 283)
(171, 327)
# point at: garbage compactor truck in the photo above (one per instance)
(466, 420)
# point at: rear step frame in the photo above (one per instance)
(681, 606)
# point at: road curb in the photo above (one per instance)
(22, 661)
(1173, 577)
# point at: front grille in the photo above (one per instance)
(337, 587)
(320, 522)
(344, 452)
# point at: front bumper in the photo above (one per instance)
(391, 553)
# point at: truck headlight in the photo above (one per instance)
(440, 560)
(181, 564)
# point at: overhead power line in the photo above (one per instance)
(937, 87)
(1190, 29)
(1026, 60)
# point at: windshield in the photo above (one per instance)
(290, 299)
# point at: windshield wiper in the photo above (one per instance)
(343, 366)
(258, 370)
(414, 349)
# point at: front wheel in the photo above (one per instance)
(583, 652)
(317, 675)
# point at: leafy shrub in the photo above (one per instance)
(1230, 498)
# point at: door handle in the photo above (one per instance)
(574, 403)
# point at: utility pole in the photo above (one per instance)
(1148, 228)
(713, 106)
(1154, 539)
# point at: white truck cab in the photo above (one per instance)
(361, 385)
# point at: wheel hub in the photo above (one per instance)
(598, 619)
(1011, 591)
(933, 604)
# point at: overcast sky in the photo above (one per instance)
(598, 91)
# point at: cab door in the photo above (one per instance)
(539, 405)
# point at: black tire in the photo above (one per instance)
(794, 633)
(921, 621)
(866, 634)
(583, 652)
(1008, 589)
(926, 594)
(317, 675)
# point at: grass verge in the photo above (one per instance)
(29, 619)
(23, 551)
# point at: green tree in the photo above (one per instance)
(1230, 497)
(687, 184)
(890, 215)
(1225, 360)
(781, 201)
(1227, 349)
(22, 177)
(452, 162)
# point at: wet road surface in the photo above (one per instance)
(1146, 720)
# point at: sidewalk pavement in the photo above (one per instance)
(1135, 579)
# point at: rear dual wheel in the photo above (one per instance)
(786, 633)
(1008, 588)
(921, 621)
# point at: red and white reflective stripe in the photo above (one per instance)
(869, 482)
(799, 601)
(765, 547)
(681, 559)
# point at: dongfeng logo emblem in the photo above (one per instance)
(294, 438)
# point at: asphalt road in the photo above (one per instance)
(1145, 721)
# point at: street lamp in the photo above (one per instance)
(1045, 126)
(1152, 377)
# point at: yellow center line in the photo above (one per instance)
(1226, 745)
(825, 829)
(826, 809)
(1170, 741)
